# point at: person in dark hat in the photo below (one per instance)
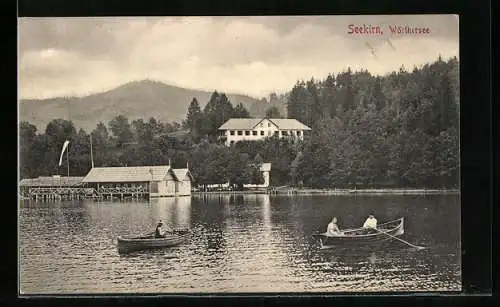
(159, 232)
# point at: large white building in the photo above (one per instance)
(252, 129)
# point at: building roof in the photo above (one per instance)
(289, 124)
(181, 173)
(265, 167)
(250, 123)
(240, 123)
(52, 181)
(127, 174)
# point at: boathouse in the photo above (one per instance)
(183, 179)
(139, 181)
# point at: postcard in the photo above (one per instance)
(239, 154)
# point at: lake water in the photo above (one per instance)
(240, 243)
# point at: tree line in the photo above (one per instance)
(397, 130)
(138, 142)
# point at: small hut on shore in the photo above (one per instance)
(265, 169)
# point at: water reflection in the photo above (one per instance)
(210, 227)
(239, 243)
(174, 211)
(265, 203)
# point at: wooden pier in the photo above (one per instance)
(77, 193)
(283, 190)
(60, 193)
(134, 192)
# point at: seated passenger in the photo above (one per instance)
(370, 224)
(333, 228)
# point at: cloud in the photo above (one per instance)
(252, 55)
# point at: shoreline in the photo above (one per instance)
(305, 191)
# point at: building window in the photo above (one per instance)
(240, 132)
(298, 133)
(232, 142)
(269, 133)
(154, 187)
(276, 133)
(268, 125)
(284, 133)
(231, 132)
(254, 132)
(262, 133)
(247, 132)
(261, 125)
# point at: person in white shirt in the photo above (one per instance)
(370, 223)
(333, 228)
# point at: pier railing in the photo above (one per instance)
(123, 190)
(57, 193)
(62, 190)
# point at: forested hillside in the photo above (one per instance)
(396, 130)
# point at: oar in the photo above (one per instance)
(406, 242)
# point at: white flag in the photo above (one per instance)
(66, 143)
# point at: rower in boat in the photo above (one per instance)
(333, 228)
(161, 230)
(370, 225)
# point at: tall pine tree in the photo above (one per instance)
(240, 111)
(194, 118)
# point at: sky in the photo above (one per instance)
(247, 55)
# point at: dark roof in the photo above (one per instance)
(50, 181)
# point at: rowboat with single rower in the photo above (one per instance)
(150, 241)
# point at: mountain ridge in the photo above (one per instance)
(135, 99)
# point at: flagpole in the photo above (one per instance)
(91, 154)
(67, 158)
(69, 120)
